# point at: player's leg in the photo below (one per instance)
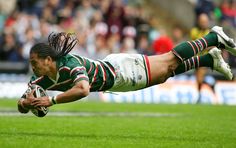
(213, 60)
(216, 38)
(164, 66)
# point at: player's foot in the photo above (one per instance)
(224, 41)
(219, 64)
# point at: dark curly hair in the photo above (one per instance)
(59, 45)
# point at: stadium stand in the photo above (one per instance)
(102, 26)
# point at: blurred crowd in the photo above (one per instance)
(210, 13)
(102, 26)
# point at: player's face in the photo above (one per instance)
(39, 65)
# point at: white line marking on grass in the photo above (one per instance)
(93, 114)
(111, 114)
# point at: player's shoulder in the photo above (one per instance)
(69, 62)
(72, 58)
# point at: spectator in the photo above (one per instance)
(115, 17)
(201, 29)
(128, 45)
(228, 8)
(101, 47)
(204, 6)
(163, 44)
(10, 49)
(114, 42)
(143, 45)
(101, 25)
(45, 30)
(178, 35)
(29, 41)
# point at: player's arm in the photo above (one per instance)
(80, 90)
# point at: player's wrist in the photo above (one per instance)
(53, 100)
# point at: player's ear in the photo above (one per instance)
(48, 60)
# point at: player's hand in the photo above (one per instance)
(21, 107)
(27, 103)
(42, 102)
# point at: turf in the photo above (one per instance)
(187, 126)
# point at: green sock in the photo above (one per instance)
(189, 49)
(193, 63)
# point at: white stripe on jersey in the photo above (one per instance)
(96, 71)
(81, 76)
(38, 79)
(78, 68)
(64, 67)
(91, 67)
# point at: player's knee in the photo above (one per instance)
(166, 74)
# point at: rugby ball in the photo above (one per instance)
(39, 92)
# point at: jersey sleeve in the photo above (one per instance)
(79, 73)
(77, 70)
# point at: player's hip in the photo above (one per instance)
(132, 71)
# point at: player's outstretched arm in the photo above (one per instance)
(80, 90)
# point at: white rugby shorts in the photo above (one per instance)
(132, 71)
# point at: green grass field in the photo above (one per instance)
(120, 125)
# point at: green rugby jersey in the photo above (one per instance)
(73, 68)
